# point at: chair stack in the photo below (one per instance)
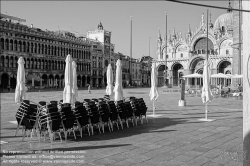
(122, 111)
(82, 117)
(144, 108)
(22, 117)
(130, 112)
(104, 113)
(94, 114)
(114, 116)
(68, 119)
(136, 108)
(50, 121)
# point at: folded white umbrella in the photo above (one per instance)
(206, 91)
(68, 78)
(109, 88)
(154, 91)
(75, 88)
(20, 92)
(118, 90)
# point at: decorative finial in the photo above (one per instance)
(130, 17)
(229, 7)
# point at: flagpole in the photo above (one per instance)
(207, 59)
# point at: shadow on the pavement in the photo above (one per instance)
(153, 125)
(86, 147)
(213, 112)
(11, 128)
(162, 131)
(11, 136)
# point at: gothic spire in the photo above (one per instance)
(169, 36)
(174, 34)
(159, 34)
(189, 30)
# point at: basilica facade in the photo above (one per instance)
(180, 55)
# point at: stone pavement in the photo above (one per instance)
(176, 138)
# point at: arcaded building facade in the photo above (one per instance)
(44, 53)
(185, 54)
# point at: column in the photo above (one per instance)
(246, 83)
(32, 82)
(171, 81)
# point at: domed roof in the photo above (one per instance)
(225, 20)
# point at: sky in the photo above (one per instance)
(83, 16)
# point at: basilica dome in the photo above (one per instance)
(224, 22)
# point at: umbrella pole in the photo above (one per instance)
(196, 87)
(206, 111)
(153, 107)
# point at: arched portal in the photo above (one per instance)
(83, 81)
(177, 69)
(13, 82)
(105, 79)
(44, 80)
(162, 75)
(5, 80)
(51, 80)
(88, 79)
(78, 81)
(224, 66)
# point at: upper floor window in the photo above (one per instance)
(227, 52)
(181, 55)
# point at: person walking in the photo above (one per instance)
(89, 89)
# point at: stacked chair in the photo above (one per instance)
(82, 117)
(136, 108)
(26, 117)
(122, 112)
(68, 119)
(130, 111)
(94, 114)
(104, 113)
(144, 109)
(50, 121)
(114, 116)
